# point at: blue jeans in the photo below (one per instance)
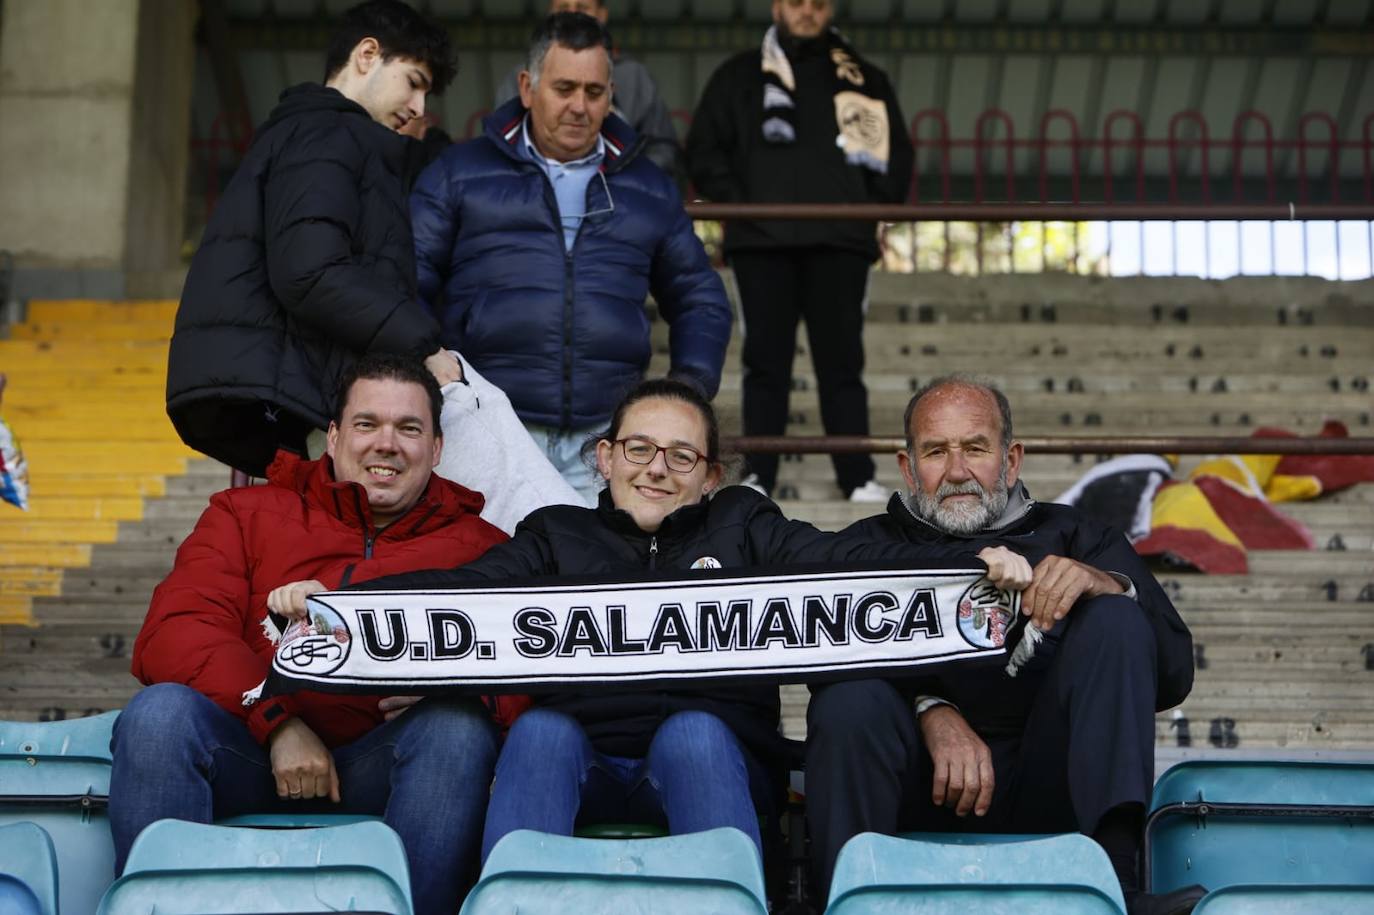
(549, 778)
(426, 773)
(563, 448)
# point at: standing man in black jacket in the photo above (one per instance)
(1068, 744)
(803, 119)
(308, 261)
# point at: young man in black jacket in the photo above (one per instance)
(308, 261)
(1068, 744)
(803, 119)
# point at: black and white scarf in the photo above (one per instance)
(699, 628)
(862, 129)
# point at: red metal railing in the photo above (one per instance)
(995, 144)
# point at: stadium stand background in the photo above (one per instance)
(123, 118)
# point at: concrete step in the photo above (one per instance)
(142, 331)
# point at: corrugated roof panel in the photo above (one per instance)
(1240, 12)
(922, 10)
(1185, 12)
(450, 8)
(1133, 10)
(1034, 11)
(869, 10)
(1069, 91)
(707, 10)
(1017, 95)
(1173, 91)
(1120, 90)
(1348, 12)
(664, 9)
(916, 85)
(1323, 96)
(1083, 10)
(967, 97)
(1294, 12)
(506, 9)
(1222, 98)
(978, 10)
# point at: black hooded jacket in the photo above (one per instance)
(729, 161)
(738, 528)
(307, 263)
(1036, 530)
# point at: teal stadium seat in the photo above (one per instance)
(28, 871)
(1288, 900)
(296, 820)
(179, 868)
(1220, 824)
(942, 874)
(714, 871)
(56, 774)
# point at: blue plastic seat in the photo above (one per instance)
(56, 774)
(28, 871)
(941, 874)
(1280, 899)
(1220, 824)
(178, 867)
(714, 871)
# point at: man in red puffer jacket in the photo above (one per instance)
(198, 745)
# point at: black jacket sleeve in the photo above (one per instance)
(312, 210)
(1108, 551)
(775, 539)
(712, 142)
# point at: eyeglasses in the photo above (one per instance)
(678, 458)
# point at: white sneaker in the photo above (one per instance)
(752, 482)
(872, 491)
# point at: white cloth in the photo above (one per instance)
(487, 449)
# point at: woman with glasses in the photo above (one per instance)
(688, 758)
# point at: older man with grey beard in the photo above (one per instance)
(1068, 745)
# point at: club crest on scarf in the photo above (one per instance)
(318, 644)
(985, 615)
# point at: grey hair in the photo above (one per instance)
(960, 380)
(574, 31)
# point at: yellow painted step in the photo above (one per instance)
(118, 508)
(92, 330)
(64, 555)
(35, 390)
(42, 310)
(73, 410)
(84, 457)
(73, 485)
(31, 581)
(84, 364)
(15, 610)
(157, 431)
(40, 531)
(87, 350)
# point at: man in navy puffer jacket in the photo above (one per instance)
(538, 243)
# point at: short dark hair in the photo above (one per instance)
(390, 367)
(574, 31)
(960, 380)
(401, 32)
(669, 389)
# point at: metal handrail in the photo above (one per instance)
(1051, 212)
(1064, 444)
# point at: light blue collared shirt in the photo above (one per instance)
(569, 180)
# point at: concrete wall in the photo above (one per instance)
(93, 100)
